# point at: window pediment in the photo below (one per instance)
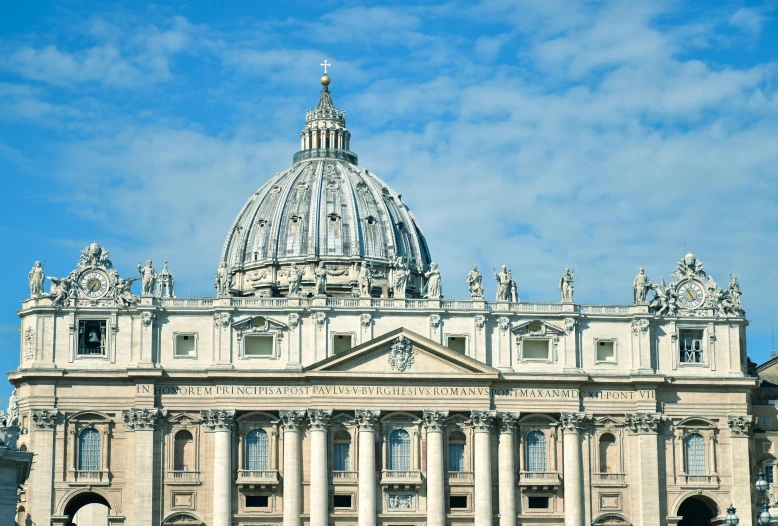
(537, 328)
(257, 325)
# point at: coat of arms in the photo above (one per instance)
(401, 355)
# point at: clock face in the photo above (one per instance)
(94, 284)
(691, 294)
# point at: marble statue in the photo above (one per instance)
(60, 291)
(474, 280)
(514, 291)
(12, 416)
(165, 283)
(689, 267)
(124, 295)
(295, 277)
(222, 280)
(93, 256)
(504, 283)
(36, 277)
(665, 300)
(400, 277)
(434, 289)
(148, 279)
(641, 285)
(566, 286)
(734, 292)
(365, 279)
(320, 276)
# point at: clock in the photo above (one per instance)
(94, 284)
(691, 294)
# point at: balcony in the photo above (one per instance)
(257, 478)
(699, 481)
(344, 477)
(460, 478)
(182, 477)
(401, 479)
(89, 478)
(609, 479)
(539, 479)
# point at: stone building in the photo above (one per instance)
(330, 382)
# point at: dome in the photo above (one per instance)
(327, 210)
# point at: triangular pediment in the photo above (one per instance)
(401, 352)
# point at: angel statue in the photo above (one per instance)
(566, 286)
(665, 299)
(474, 280)
(36, 277)
(434, 289)
(400, 277)
(124, 295)
(60, 291)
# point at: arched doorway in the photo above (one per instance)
(88, 509)
(697, 511)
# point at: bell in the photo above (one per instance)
(93, 337)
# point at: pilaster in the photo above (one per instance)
(41, 482)
(143, 422)
(646, 427)
(740, 434)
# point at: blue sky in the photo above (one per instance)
(601, 136)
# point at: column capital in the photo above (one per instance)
(292, 419)
(143, 419)
(507, 422)
(367, 419)
(319, 419)
(218, 419)
(573, 422)
(644, 423)
(43, 418)
(434, 419)
(740, 425)
(482, 420)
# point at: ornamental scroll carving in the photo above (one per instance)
(43, 418)
(435, 322)
(319, 419)
(433, 419)
(365, 320)
(221, 319)
(147, 318)
(367, 419)
(482, 420)
(144, 419)
(294, 321)
(292, 419)
(740, 425)
(570, 324)
(218, 419)
(573, 422)
(638, 423)
(639, 326)
(507, 422)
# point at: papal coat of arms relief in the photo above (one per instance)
(401, 355)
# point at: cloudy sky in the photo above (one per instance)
(599, 135)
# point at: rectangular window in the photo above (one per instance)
(690, 345)
(535, 349)
(340, 460)
(606, 351)
(537, 503)
(769, 474)
(341, 501)
(457, 344)
(457, 502)
(91, 337)
(456, 457)
(185, 346)
(341, 343)
(257, 501)
(258, 346)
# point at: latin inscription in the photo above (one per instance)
(393, 391)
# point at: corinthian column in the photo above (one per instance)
(572, 423)
(319, 420)
(143, 422)
(292, 420)
(507, 469)
(482, 426)
(739, 433)
(436, 490)
(367, 421)
(646, 427)
(219, 422)
(41, 481)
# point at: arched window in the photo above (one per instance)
(456, 452)
(89, 450)
(695, 454)
(183, 445)
(257, 450)
(400, 450)
(608, 459)
(536, 451)
(341, 458)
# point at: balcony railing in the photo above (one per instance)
(460, 477)
(182, 477)
(252, 477)
(344, 477)
(390, 477)
(539, 478)
(89, 477)
(699, 480)
(610, 478)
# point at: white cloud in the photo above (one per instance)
(748, 20)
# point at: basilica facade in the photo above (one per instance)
(330, 382)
